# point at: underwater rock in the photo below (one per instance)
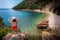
(42, 24)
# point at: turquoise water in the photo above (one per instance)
(28, 19)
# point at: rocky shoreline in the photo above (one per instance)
(15, 36)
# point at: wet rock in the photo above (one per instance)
(42, 24)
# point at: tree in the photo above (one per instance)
(1, 22)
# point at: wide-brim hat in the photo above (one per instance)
(13, 18)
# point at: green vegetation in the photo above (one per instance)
(4, 31)
(32, 4)
(1, 22)
(3, 28)
(39, 4)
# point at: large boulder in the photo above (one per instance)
(15, 36)
(45, 35)
(49, 36)
(42, 24)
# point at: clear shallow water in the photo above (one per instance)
(28, 19)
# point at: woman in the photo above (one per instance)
(14, 22)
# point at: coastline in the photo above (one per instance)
(35, 10)
(44, 11)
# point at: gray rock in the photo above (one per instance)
(48, 36)
(15, 36)
(45, 35)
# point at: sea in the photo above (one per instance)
(28, 19)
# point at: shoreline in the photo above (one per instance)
(35, 10)
(38, 10)
(46, 12)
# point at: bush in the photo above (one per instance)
(4, 31)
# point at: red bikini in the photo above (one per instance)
(14, 27)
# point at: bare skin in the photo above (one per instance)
(14, 23)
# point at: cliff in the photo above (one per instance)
(50, 5)
(32, 4)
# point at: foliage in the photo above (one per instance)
(32, 4)
(39, 4)
(1, 22)
(1, 19)
(4, 31)
(3, 28)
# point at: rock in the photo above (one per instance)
(54, 37)
(42, 24)
(45, 35)
(7, 37)
(15, 36)
(49, 36)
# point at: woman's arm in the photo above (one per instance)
(10, 19)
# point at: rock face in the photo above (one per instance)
(48, 36)
(45, 35)
(54, 22)
(20, 36)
